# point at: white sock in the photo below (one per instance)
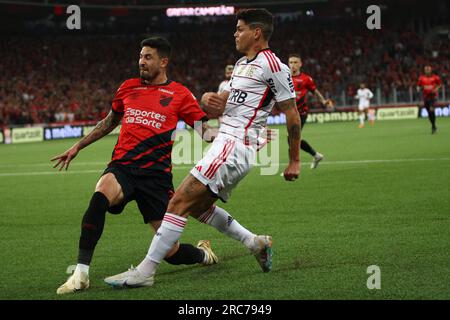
(225, 223)
(167, 235)
(147, 267)
(82, 268)
(361, 119)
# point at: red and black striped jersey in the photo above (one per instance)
(150, 116)
(429, 84)
(302, 84)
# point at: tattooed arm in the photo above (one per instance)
(327, 103)
(294, 136)
(102, 128)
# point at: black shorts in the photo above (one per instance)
(152, 192)
(303, 118)
(429, 103)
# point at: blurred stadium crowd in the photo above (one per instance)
(63, 78)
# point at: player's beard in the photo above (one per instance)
(148, 76)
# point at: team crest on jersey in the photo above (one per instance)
(240, 70)
(245, 70)
(165, 100)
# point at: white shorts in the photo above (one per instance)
(363, 107)
(224, 165)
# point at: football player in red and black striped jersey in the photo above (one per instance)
(149, 108)
(303, 83)
(430, 84)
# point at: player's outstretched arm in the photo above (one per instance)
(294, 136)
(327, 103)
(104, 127)
(214, 104)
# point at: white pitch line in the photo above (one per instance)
(104, 163)
(381, 161)
(49, 164)
(46, 173)
(180, 167)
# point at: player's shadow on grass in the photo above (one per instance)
(298, 263)
(303, 263)
(207, 269)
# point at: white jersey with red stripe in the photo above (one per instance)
(254, 88)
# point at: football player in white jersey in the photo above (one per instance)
(228, 72)
(364, 95)
(259, 81)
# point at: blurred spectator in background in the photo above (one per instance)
(74, 77)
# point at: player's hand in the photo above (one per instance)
(292, 171)
(65, 158)
(329, 104)
(212, 104)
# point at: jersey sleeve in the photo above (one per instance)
(311, 85)
(190, 110)
(117, 103)
(438, 81)
(370, 93)
(280, 83)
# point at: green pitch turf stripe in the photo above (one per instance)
(341, 162)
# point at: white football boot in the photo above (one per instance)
(130, 279)
(316, 159)
(263, 252)
(77, 281)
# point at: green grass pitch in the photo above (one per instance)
(328, 227)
